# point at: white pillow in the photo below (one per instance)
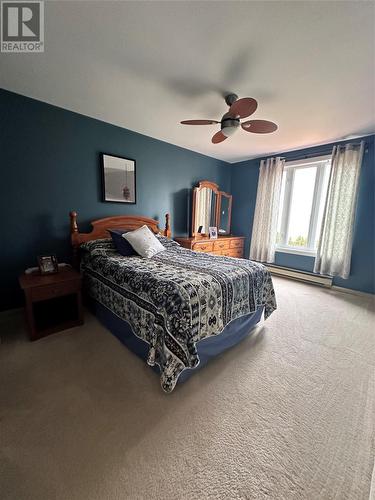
(144, 242)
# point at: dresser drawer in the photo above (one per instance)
(56, 290)
(221, 244)
(236, 243)
(203, 246)
(235, 252)
(217, 252)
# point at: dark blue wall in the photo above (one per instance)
(362, 276)
(50, 165)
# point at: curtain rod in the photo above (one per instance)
(322, 151)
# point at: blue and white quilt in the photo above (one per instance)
(176, 298)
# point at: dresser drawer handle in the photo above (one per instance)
(203, 247)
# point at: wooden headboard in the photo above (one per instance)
(100, 228)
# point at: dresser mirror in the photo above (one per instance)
(224, 213)
(211, 208)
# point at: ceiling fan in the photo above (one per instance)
(238, 108)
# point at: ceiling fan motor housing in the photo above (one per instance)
(231, 98)
(229, 124)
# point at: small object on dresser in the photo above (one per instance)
(53, 301)
(213, 232)
(48, 264)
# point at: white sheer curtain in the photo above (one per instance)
(336, 237)
(263, 239)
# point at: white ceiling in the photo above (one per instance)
(147, 65)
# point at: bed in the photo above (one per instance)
(176, 310)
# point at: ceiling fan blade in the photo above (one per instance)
(218, 137)
(199, 122)
(243, 107)
(259, 126)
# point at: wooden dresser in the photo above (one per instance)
(231, 246)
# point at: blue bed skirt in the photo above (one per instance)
(207, 348)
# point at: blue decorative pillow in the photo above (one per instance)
(122, 246)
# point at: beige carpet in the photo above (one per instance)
(287, 414)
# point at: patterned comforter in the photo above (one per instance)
(176, 298)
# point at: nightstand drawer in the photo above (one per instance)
(55, 290)
(203, 246)
(236, 244)
(221, 245)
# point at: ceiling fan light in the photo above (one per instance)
(227, 131)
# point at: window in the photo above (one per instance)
(303, 194)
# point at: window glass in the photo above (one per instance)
(300, 206)
(302, 199)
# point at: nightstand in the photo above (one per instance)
(53, 301)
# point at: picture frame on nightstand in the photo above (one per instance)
(48, 264)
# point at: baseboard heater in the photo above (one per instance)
(287, 272)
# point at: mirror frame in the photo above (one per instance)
(215, 189)
(218, 216)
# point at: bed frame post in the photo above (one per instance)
(73, 237)
(167, 229)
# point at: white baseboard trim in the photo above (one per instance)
(353, 292)
(314, 279)
(304, 276)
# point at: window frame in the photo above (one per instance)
(290, 168)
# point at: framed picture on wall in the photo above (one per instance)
(118, 179)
